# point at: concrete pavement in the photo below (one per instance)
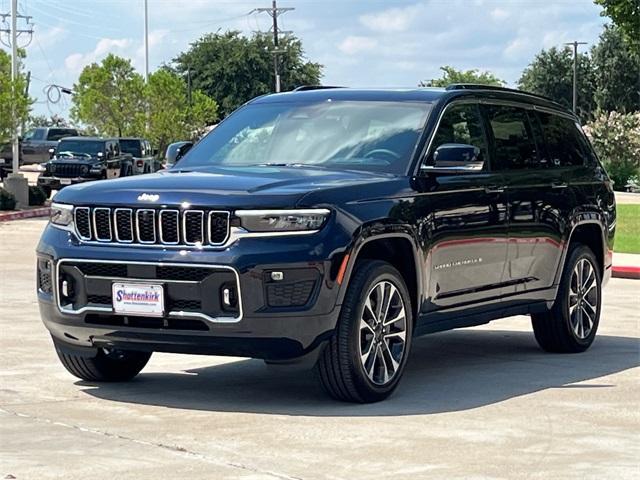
(476, 403)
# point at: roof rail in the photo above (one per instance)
(305, 88)
(480, 86)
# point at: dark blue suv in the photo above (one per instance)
(329, 227)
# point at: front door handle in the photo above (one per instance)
(493, 189)
(559, 185)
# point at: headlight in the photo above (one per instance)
(283, 220)
(52, 168)
(96, 168)
(62, 216)
(85, 169)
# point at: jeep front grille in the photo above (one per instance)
(149, 226)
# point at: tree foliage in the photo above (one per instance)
(172, 116)
(14, 103)
(233, 69)
(626, 15)
(451, 75)
(616, 139)
(617, 72)
(551, 74)
(44, 121)
(110, 97)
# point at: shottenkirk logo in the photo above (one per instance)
(148, 197)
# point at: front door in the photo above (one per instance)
(463, 221)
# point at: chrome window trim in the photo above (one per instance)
(138, 212)
(115, 224)
(75, 223)
(177, 212)
(179, 313)
(184, 227)
(95, 229)
(228, 214)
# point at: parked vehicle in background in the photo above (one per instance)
(82, 159)
(329, 227)
(175, 152)
(34, 147)
(144, 158)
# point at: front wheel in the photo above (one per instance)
(365, 358)
(109, 365)
(571, 324)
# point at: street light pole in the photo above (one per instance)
(146, 41)
(575, 72)
(15, 148)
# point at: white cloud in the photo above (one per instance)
(156, 37)
(353, 44)
(390, 20)
(499, 14)
(77, 61)
(50, 36)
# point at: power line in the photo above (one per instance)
(274, 12)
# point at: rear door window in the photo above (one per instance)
(56, 134)
(565, 143)
(514, 146)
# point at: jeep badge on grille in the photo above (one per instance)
(148, 197)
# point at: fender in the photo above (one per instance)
(369, 234)
(585, 218)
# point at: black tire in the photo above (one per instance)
(47, 191)
(554, 330)
(341, 371)
(106, 366)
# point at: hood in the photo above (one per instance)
(218, 187)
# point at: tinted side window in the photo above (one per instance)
(514, 145)
(58, 133)
(565, 143)
(460, 123)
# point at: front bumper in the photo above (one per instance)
(259, 328)
(57, 183)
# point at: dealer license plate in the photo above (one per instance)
(138, 299)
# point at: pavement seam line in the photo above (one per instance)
(175, 449)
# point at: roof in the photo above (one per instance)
(416, 94)
(89, 139)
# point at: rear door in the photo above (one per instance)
(537, 195)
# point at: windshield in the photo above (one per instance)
(132, 147)
(80, 147)
(372, 136)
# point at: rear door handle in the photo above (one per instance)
(559, 185)
(493, 189)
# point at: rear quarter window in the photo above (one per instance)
(566, 145)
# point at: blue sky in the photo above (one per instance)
(361, 43)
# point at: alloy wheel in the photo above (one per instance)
(583, 298)
(382, 333)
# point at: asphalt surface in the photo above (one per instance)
(479, 403)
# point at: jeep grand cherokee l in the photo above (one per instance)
(332, 226)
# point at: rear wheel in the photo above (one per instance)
(571, 325)
(367, 355)
(109, 365)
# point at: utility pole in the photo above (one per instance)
(146, 41)
(274, 12)
(575, 72)
(15, 182)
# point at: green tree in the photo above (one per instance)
(626, 15)
(616, 139)
(451, 75)
(617, 72)
(233, 69)
(14, 103)
(551, 74)
(109, 97)
(44, 121)
(171, 116)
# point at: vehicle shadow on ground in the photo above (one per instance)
(446, 372)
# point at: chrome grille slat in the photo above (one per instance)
(152, 226)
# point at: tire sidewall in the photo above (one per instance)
(382, 272)
(578, 254)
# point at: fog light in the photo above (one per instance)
(277, 276)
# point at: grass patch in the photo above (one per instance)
(627, 229)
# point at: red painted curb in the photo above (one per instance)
(35, 212)
(626, 272)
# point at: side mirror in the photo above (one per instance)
(456, 158)
(176, 151)
(52, 152)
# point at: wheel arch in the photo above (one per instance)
(589, 232)
(391, 248)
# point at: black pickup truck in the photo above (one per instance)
(82, 159)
